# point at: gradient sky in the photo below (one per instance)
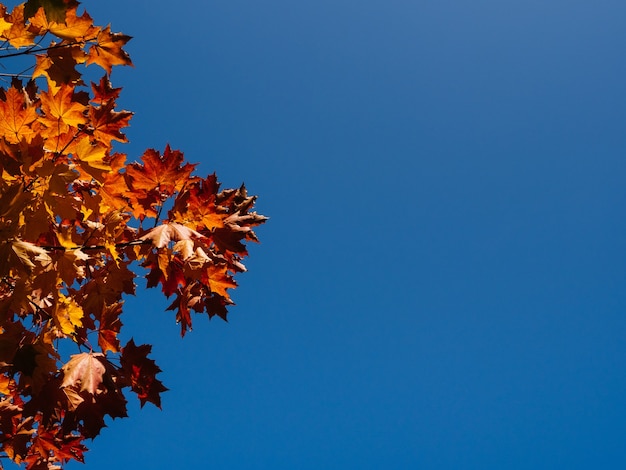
(441, 283)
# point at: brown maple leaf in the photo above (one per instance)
(58, 65)
(85, 411)
(22, 256)
(185, 299)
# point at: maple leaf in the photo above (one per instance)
(197, 205)
(104, 92)
(162, 173)
(4, 25)
(73, 27)
(105, 124)
(84, 372)
(162, 235)
(67, 248)
(27, 254)
(58, 65)
(92, 157)
(55, 442)
(182, 303)
(154, 180)
(53, 9)
(141, 373)
(16, 116)
(110, 281)
(167, 270)
(91, 386)
(19, 34)
(68, 314)
(216, 305)
(114, 190)
(108, 51)
(35, 363)
(61, 110)
(110, 325)
(218, 279)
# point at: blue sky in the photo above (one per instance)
(441, 283)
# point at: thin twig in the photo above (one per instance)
(31, 50)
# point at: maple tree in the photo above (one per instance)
(76, 222)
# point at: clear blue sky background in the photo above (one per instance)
(441, 283)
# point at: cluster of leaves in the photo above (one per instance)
(75, 220)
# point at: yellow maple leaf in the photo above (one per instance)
(92, 158)
(4, 25)
(74, 27)
(67, 314)
(5, 381)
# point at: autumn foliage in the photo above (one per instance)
(77, 223)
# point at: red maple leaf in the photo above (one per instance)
(141, 373)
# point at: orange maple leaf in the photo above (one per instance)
(61, 110)
(16, 116)
(107, 51)
(197, 205)
(19, 34)
(105, 123)
(218, 279)
(104, 91)
(92, 158)
(114, 189)
(156, 179)
(161, 172)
